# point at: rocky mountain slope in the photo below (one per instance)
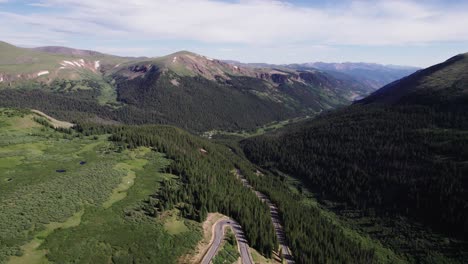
(185, 89)
(372, 74)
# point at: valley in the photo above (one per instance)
(138, 211)
(392, 163)
(184, 158)
(185, 89)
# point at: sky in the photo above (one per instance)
(416, 33)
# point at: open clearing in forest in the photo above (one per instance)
(65, 214)
(174, 225)
(56, 123)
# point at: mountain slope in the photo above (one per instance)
(219, 95)
(69, 51)
(184, 89)
(401, 152)
(134, 187)
(21, 64)
(374, 75)
(369, 76)
(444, 83)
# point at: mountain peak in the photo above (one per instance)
(184, 53)
(186, 63)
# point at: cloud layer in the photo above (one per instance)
(257, 23)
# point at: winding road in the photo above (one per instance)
(279, 230)
(219, 231)
(243, 247)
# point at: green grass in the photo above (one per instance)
(15, 60)
(174, 225)
(31, 253)
(32, 193)
(120, 192)
(228, 253)
(257, 131)
(88, 214)
(10, 162)
(258, 258)
(122, 233)
(107, 93)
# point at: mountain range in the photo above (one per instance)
(186, 89)
(370, 75)
(352, 173)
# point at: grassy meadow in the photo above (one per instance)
(68, 198)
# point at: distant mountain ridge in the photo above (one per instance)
(68, 51)
(371, 75)
(190, 81)
(186, 89)
(46, 64)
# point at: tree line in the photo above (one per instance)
(401, 160)
(206, 183)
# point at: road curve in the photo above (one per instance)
(279, 230)
(218, 234)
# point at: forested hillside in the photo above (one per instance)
(408, 158)
(207, 183)
(444, 84)
(185, 89)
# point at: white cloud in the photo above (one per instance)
(259, 24)
(256, 22)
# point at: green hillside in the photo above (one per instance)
(79, 186)
(25, 62)
(90, 199)
(185, 89)
(441, 84)
(398, 171)
(198, 93)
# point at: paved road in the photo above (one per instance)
(219, 236)
(285, 251)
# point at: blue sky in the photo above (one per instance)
(418, 33)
